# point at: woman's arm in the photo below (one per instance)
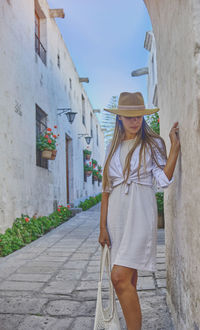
(104, 210)
(171, 162)
(103, 236)
(174, 151)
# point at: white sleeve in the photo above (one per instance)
(161, 179)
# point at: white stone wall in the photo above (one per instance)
(152, 73)
(26, 81)
(176, 26)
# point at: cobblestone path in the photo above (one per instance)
(52, 282)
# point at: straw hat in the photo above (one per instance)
(131, 105)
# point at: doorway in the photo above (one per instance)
(67, 142)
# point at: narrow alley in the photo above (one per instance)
(52, 282)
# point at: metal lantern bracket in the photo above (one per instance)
(69, 113)
(87, 138)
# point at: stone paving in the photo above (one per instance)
(52, 282)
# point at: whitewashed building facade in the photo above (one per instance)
(152, 94)
(37, 77)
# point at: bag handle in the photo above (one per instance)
(105, 261)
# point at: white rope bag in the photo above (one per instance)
(106, 319)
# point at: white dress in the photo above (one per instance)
(132, 223)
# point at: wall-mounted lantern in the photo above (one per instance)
(87, 138)
(69, 113)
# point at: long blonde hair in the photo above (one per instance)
(145, 137)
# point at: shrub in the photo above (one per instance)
(91, 201)
(25, 229)
(160, 202)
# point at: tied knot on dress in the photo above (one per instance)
(126, 186)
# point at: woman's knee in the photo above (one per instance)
(121, 278)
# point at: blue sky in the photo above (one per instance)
(106, 42)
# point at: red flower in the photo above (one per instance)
(54, 136)
(49, 141)
(58, 210)
(90, 163)
(59, 205)
(55, 126)
(93, 165)
(97, 172)
(49, 129)
(27, 219)
(68, 206)
(158, 120)
(46, 136)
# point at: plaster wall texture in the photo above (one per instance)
(26, 81)
(152, 72)
(176, 26)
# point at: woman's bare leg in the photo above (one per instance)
(135, 278)
(123, 279)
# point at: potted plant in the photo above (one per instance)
(94, 163)
(88, 169)
(95, 174)
(160, 206)
(53, 155)
(46, 143)
(87, 154)
(99, 177)
(99, 168)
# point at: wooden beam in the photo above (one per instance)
(84, 80)
(53, 13)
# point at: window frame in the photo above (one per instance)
(40, 127)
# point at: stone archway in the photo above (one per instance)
(176, 26)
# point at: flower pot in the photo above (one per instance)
(53, 155)
(46, 154)
(95, 178)
(87, 156)
(88, 173)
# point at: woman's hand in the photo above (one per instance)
(104, 237)
(174, 137)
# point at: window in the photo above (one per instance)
(58, 61)
(39, 48)
(83, 110)
(91, 126)
(37, 25)
(153, 69)
(41, 125)
(70, 83)
(97, 135)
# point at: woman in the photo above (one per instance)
(135, 158)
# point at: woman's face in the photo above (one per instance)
(131, 124)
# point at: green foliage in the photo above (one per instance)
(91, 201)
(109, 120)
(99, 177)
(153, 122)
(87, 167)
(25, 230)
(47, 140)
(94, 162)
(160, 202)
(99, 168)
(95, 172)
(87, 152)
